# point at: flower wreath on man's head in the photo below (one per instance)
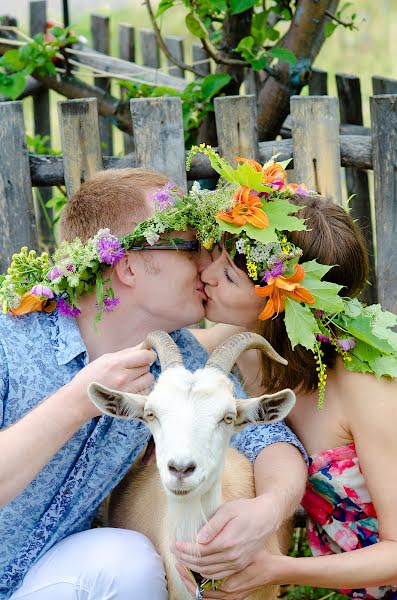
(251, 202)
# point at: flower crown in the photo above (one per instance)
(251, 204)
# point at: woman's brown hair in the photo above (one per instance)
(332, 238)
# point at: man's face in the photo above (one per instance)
(170, 292)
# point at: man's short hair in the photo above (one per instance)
(115, 198)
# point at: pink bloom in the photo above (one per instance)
(346, 343)
(109, 303)
(322, 338)
(65, 309)
(42, 290)
(55, 273)
(110, 249)
(163, 198)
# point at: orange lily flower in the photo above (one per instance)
(32, 303)
(247, 207)
(271, 174)
(279, 287)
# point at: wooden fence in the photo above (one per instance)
(316, 146)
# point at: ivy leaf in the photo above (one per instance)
(239, 6)
(212, 84)
(163, 6)
(195, 26)
(283, 54)
(300, 324)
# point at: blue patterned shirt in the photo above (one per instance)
(40, 353)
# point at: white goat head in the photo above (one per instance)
(192, 416)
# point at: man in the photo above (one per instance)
(59, 458)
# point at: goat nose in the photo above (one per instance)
(181, 469)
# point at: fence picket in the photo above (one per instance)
(100, 31)
(384, 85)
(80, 140)
(349, 93)
(236, 127)
(384, 152)
(159, 139)
(315, 131)
(127, 52)
(198, 55)
(149, 48)
(175, 46)
(17, 220)
(318, 84)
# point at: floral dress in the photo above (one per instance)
(341, 516)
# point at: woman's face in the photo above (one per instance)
(231, 293)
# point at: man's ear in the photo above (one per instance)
(268, 408)
(117, 404)
(125, 270)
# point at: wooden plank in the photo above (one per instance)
(384, 153)
(80, 141)
(251, 82)
(100, 32)
(42, 126)
(149, 48)
(127, 52)
(318, 83)
(198, 56)
(175, 47)
(315, 134)
(236, 127)
(349, 94)
(17, 220)
(355, 151)
(127, 70)
(383, 85)
(159, 139)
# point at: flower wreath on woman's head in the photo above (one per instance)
(251, 203)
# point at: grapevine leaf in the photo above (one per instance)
(300, 324)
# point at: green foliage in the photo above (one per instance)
(330, 27)
(196, 99)
(39, 144)
(38, 55)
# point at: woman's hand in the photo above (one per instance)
(232, 539)
(263, 570)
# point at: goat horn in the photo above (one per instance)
(225, 355)
(167, 351)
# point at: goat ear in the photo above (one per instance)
(116, 404)
(268, 408)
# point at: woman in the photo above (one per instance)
(352, 443)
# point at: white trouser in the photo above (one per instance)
(98, 564)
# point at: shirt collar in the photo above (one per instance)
(66, 338)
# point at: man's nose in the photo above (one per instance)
(203, 259)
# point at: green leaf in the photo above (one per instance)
(283, 54)
(245, 44)
(239, 6)
(329, 29)
(279, 211)
(258, 63)
(265, 236)
(163, 6)
(12, 86)
(315, 269)
(382, 322)
(195, 26)
(212, 84)
(300, 324)
(360, 328)
(325, 294)
(377, 362)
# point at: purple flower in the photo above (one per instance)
(42, 290)
(55, 273)
(110, 249)
(346, 343)
(65, 309)
(318, 313)
(320, 337)
(274, 272)
(69, 267)
(162, 198)
(109, 303)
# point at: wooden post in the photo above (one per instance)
(236, 127)
(384, 154)
(42, 126)
(318, 84)
(199, 54)
(100, 31)
(315, 133)
(81, 144)
(17, 220)
(349, 93)
(384, 85)
(127, 52)
(149, 48)
(159, 139)
(175, 47)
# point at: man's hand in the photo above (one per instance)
(126, 370)
(232, 538)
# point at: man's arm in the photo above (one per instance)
(28, 445)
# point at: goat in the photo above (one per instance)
(192, 417)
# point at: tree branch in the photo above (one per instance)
(350, 25)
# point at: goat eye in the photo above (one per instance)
(228, 419)
(149, 415)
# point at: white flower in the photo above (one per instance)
(152, 237)
(73, 280)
